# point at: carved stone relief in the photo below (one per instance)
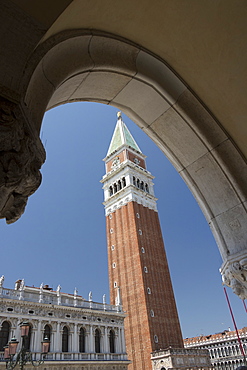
(21, 157)
(234, 275)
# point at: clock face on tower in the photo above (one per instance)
(115, 161)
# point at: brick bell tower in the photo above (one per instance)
(137, 261)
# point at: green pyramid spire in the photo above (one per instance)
(122, 136)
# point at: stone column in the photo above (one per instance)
(16, 333)
(57, 341)
(91, 340)
(123, 346)
(75, 340)
(38, 338)
(105, 348)
(118, 341)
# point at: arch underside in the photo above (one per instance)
(90, 66)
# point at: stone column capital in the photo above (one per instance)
(234, 273)
(21, 157)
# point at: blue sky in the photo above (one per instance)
(61, 237)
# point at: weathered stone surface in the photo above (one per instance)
(179, 137)
(142, 99)
(103, 86)
(21, 156)
(110, 54)
(156, 73)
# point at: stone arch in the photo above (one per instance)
(5, 329)
(84, 65)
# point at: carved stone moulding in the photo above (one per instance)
(21, 157)
(234, 273)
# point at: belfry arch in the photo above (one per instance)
(85, 65)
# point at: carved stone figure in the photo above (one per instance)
(238, 289)
(21, 156)
(1, 281)
(17, 284)
(22, 284)
(235, 277)
(90, 296)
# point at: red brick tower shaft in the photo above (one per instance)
(136, 256)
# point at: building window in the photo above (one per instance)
(137, 215)
(114, 265)
(97, 340)
(119, 185)
(110, 191)
(124, 182)
(145, 269)
(112, 247)
(140, 232)
(143, 250)
(4, 334)
(65, 339)
(47, 333)
(151, 313)
(82, 336)
(27, 340)
(149, 290)
(110, 216)
(134, 180)
(115, 284)
(156, 339)
(111, 231)
(112, 341)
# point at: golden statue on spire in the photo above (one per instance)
(119, 114)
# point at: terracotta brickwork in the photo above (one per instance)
(120, 156)
(132, 156)
(138, 265)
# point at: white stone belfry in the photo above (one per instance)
(127, 178)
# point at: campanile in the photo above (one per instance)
(137, 261)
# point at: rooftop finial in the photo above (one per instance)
(119, 114)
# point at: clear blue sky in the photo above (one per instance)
(61, 237)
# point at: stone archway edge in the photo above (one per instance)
(88, 66)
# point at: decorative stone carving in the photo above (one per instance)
(21, 156)
(234, 275)
(2, 320)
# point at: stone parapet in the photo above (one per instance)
(181, 358)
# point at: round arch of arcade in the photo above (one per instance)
(91, 66)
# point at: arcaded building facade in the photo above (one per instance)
(224, 349)
(83, 334)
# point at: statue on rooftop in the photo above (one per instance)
(22, 284)
(58, 290)
(1, 281)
